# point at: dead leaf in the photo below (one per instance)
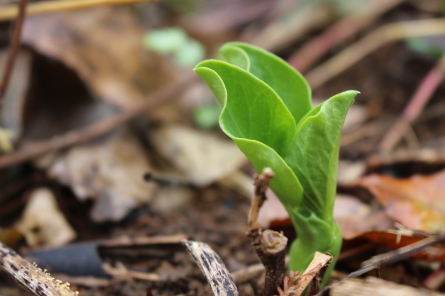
(200, 156)
(42, 223)
(110, 171)
(169, 199)
(350, 171)
(104, 47)
(396, 241)
(417, 202)
(356, 218)
(272, 213)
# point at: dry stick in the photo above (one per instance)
(13, 48)
(312, 51)
(10, 11)
(37, 149)
(249, 273)
(416, 104)
(30, 277)
(371, 42)
(269, 245)
(391, 257)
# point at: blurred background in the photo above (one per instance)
(95, 95)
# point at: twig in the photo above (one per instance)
(248, 273)
(269, 245)
(416, 104)
(384, 259)
(372, 286)
(30, 277)
(95, 130)
(123, 273)
(312, 51)
(405, 252)
(371, 42)
(213, 268)
(13, 48)
(9, 12)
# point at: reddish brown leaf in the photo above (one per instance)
(417, 202)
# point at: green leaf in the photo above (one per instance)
(167, 40)
(257, 120)
(267, 112)
(313, 154)
(290, 85)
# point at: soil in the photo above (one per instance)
(218, 216)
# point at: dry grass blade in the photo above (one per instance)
(371, 42)
(10, 12)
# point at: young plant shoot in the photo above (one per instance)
(267, 111)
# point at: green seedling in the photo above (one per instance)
(267, 111)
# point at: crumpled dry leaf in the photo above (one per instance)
(416, 202)
(200, 156)
(104, 46)
(42, 223)
(110, 171)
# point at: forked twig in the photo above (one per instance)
(269, 245)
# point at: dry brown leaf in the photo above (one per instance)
(356, 218)
(42, 223)
(104, 47)
(200, 156)
(110, 171)
(417, 202)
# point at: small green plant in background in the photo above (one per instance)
(174, 41)
(267, 111)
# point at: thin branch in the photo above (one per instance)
(9, 12)
(13, 48)
(315, 49)
(95, 130)
(269, 245)
(416, 104)
(391, 257)
(370, 43)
